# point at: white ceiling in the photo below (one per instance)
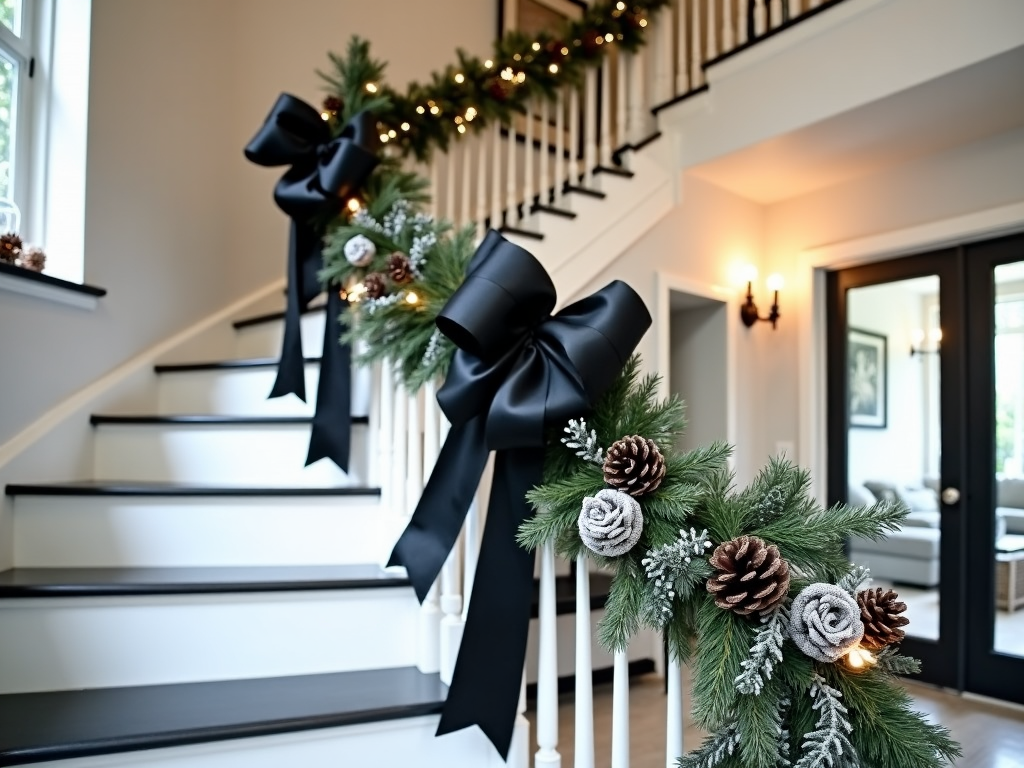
(968, 105)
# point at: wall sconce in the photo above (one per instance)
(748, 312)
(917, 337)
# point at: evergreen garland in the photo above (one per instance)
(829, 745)
(765, 652)
(474, 92)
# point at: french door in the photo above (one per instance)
(926, 405)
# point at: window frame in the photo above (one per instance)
(22, 49)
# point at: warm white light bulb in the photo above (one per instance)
(553, 69)
(411, 298)
(435, 109)
(420, 110)
(371, 87)
(917, 336)
(747, 273)
(536, 46)
(384, 138)
(462, 129)
(460, 78)
(643, 22)
(353, 205)
(406, 126)
(775, 282)
(620, 6)
(935, 335)
(609, 37)
(488, 64)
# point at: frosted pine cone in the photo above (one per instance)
(750, 576)
(634, 465)
(360, 250)
(880, 612)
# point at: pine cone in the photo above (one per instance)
(376, 285)
(399, 268)
(332, 104)
(10, 248)
(880, 611)
(32, 258)
(634, 465)
(751, 576)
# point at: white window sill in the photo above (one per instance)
(42, 286)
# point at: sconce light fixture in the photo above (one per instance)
(748, 311)
(917, 337)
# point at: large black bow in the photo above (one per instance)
(324, 171)
(517, 371)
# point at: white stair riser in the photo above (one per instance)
(389, 744)
(146, 531)
(264, 339)
(640, 647)
(250, 455)
(243, 392)
(97, 642)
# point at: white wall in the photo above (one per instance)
(698, 372)
(976, 177)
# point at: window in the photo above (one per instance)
(15, 112)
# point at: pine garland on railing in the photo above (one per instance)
(475, 92)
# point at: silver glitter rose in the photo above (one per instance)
(825, 622)
(360, 250)
(611, 522)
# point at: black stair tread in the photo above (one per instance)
(552, 209)
(59, 725)
(565, 594)
(614, 171)
(83, 582)
(142, 488)
(207, 419)
(569, 188)
(521, 232)
(217, 365)
(270, 317)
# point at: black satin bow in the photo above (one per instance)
(517, 371)
(324, 171)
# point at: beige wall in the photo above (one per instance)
(177, 223)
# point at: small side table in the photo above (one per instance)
(1010, 580)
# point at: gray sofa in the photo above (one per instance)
(910, 555)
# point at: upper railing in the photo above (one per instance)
(498, 177)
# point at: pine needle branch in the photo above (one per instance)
(715, 749)
(829, 744)
(765, 652)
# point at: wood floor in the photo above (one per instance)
(992, 736)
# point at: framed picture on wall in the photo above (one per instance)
(867, 381)
(534, 16)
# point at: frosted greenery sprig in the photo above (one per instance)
(771, 505)
(715, 749)
(779, 715)
(828, 746)
(891, 662)
(855, 580)
(583, 442)
(765, 653)
(672, 569)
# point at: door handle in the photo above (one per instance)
(950, 495)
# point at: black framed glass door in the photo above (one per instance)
(895, 431)
(995, 515)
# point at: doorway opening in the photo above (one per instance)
(698, 365)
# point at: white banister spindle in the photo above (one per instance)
(622, 100)
(728, 38)
(815, 3)
(590, 126)
(431, 428)
(605, 119)
(742, 26)
(712, 31)
(696, 72)
(775, 15)
(400, 452)
(428, 649)
(547, 665)
(682, 49)
(387, 434)
(373, 430)
(574, 136)
(794, 9)
(471, 533)
(663, 56)
(496, 176)
(544, 174)
(528, 159)
(451, 615)
(449, 182)
(584, 705)
(465, 193)
(760, 17)
(414, 451)
(481, 183)
(511, 178)
(638, 109)
(620, 711)
(674, 715)
(560, 161)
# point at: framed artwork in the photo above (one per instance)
(534, 16)
(866, 378)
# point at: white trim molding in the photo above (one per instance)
(812, 318)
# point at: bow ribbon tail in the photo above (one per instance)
(331, 435)
(493, 650)
(434, 528)
(291, 376)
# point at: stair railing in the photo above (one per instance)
(499, 177)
